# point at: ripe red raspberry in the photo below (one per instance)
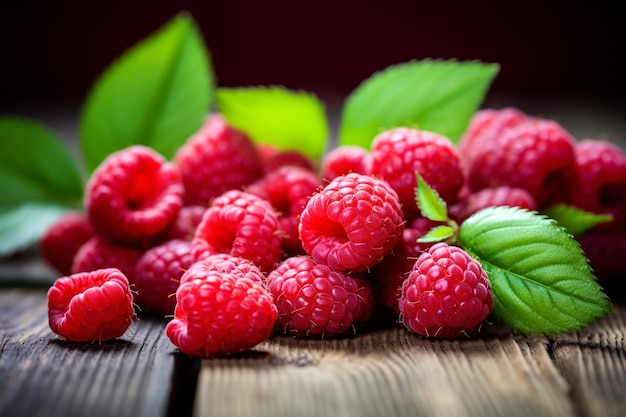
(486, 124)
(185, 224)
(399, 153)
(91, 306)
(240, 224)
(345, 159)
(352, 223)
(288, 190)
(489, 197)
(219, 313)
(446, 295)
(99, 253)
(235, 265)
(157, 275)
(273, 158)
(134, 195)
(536, 155)
(600, 183)
(313, 300)
(216, 159)
(59, 244)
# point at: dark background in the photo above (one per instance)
(554, 55)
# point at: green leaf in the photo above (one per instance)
(23, 225)
(541, 279)
(435, 95)
(575, 220)
(287, 119)
(156, 94)
(437, 234)
(36, 168)
(431, 205)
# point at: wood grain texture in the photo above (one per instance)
(43, 375)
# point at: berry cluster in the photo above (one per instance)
(237, 241)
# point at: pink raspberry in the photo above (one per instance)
(399, 153)
(216, 159)
(94, 306)
(59, 244)
(288, 190)
(240, 224)
(446, 295)
(487, 124)
(219, 313)
(536, 155)
(134, 195)
(352, 223)
(157, 275)
(345, 159)
(489, 197)
(313, 300)
(600, 183)
(100, 253)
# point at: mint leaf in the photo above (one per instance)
(287, 119)
(156, 94)
(575, 220)
(431, 205)
(36, 169)
(437, 234)
(436, 95)
(541, 279)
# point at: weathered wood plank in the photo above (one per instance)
(593, 361)
(386, 372)
(42, 375)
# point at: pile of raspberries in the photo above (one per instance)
(234, 241)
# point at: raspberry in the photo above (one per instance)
(313, 300)
(486, 124)
(59, 244)
(157, 275)
(216, 159)
(447, 294)
(235, 265)
(273, 158)
(345, 159)
(99, 253)
(488, 197)
(536, 155)
(185, 224)
(134, 195)
(240, 224)
(399, 153)
(352, 223)
(219, 313)
(288, 189)
(600, 184)
(91, 306)
(606, 251)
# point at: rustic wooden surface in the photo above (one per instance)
(385, 371)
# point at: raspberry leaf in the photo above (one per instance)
(436, 95)
(575, 220)
(156, 94)
(39, 180)
(437, 234)
(287, 119)
(431, 205)
(541, 279)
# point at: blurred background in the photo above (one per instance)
(557, 59)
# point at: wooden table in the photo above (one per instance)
(383, 371)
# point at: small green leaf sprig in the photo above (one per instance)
(542, 282)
